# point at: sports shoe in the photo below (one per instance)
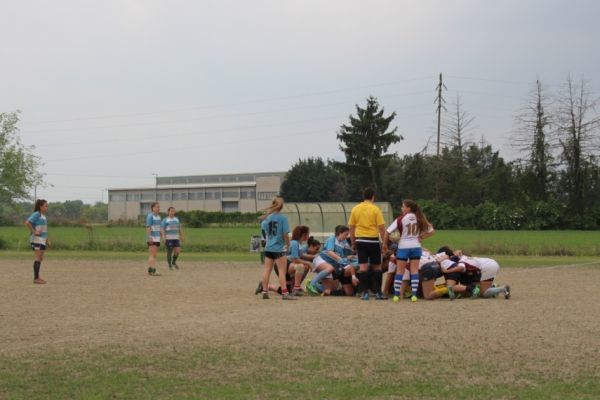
(258, 288)
(506, 292)
(176, 266)
(298, 292)
(413, 299)
(396, 299)
(476, 291)
(39, 281)
(312, 289)
(451, 294)
(365, 296)
(154, 273)
(380, 296)
(288, 296)
(265, 296)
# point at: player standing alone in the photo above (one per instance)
(38, 226)
(153, 235)
(171, 229)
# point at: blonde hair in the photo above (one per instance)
(276, 206)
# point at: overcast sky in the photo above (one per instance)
(112, 92)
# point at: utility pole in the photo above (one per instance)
(440, 104)
(155, 186)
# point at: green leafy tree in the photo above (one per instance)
(312, 180)
(365, 142)
(18, 165)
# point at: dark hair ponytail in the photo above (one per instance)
(38, 204)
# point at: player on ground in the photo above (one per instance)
(171, 230)
(153, 236)
(38, 226)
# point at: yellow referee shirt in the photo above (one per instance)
(366, 217)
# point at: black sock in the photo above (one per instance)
(363, 281)
(175, 258)
(377, 280)
(169, 253)
(36, 269)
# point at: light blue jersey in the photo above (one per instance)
(341, 248)
(170, 227)
(277, 226)
(295, 251)
(153, 222)
(40, 225)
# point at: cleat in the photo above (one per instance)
(476, 292)
(259, 288)
(298, 292)
(396, 299)
(451, 294)
(288, 296)
(39, 281)
(176, 266)
(506, 292)
(365, 296)
(265, 296)
(413, 299)
(380, 296)
(312, 289)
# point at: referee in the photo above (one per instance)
(366, 227)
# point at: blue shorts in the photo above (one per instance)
(170, 243)
(38, 246)
(413, 253)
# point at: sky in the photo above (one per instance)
(114, 93)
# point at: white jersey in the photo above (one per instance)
(489, 267)
(409, 231)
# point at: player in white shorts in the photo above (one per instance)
(489, 269)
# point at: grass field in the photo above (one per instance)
(215, 240)
(103, 329)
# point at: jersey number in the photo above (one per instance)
(412, 229)
(273, 228)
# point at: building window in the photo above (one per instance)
(247, 194)
(118, 196)
(196, 196)
(266, 195)
(133, 196)
(230, 206)
(148, 195)
(164, 196)
(179, 195)
(230, 194)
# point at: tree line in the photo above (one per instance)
(553, 184)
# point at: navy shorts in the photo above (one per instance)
(38, 246)
(274, 255)
(170, 243)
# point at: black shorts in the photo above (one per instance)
(369, 252)
(430, 271)
(345, 280)
(467, 278)
(274, 255)
(38, 246)
(172, 243)
(454, 276)
(157, 244)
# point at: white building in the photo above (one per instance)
(249, 192)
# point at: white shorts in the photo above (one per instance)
(317, 261)
(489, 269)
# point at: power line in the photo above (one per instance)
(253, 101)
